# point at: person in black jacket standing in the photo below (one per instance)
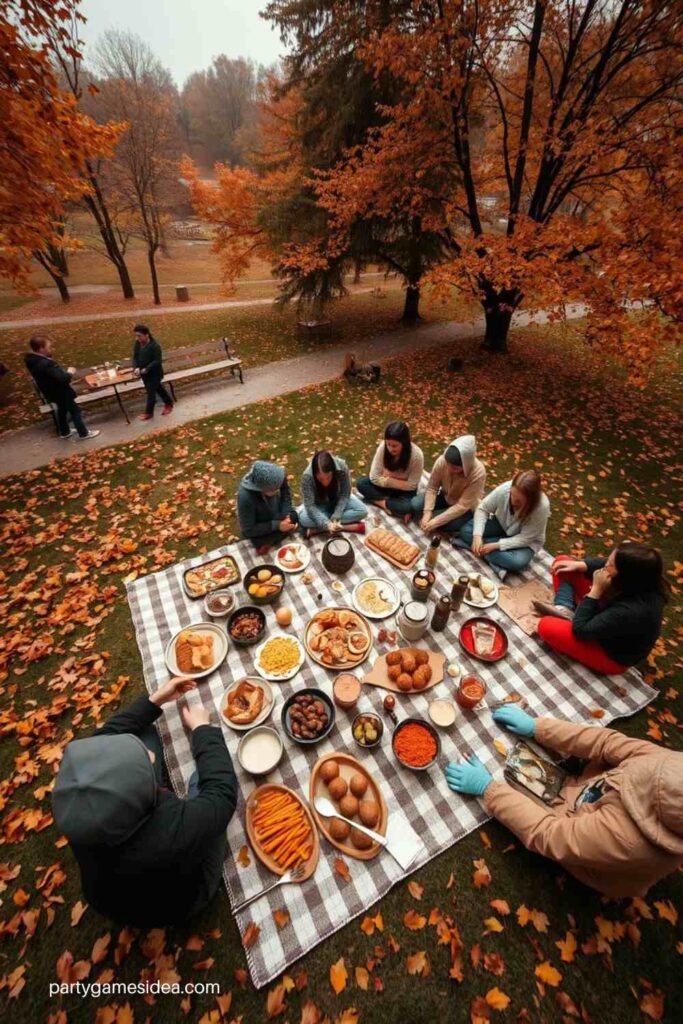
(54, 384)
(147, 359)
(147, 857)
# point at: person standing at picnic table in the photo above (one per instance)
(618, 827)
(147, 359)
(147, 857)
(328, 504)
(54, 384)
(608, 613)
(509, 524)
(264, 506)
(395, 472)
(455, 488)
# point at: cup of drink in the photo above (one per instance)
(484, 636)
(470, 692)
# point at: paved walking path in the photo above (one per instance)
(37, 445)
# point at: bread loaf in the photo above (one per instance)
(387, 543)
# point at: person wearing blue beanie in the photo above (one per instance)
(264, 506)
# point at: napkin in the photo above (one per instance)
(403, 842)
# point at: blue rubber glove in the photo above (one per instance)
(469, 777)
(516, 720)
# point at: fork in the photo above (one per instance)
(293, 875)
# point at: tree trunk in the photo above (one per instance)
(62, 288)
(155, 279)
(95, 202)
(47, 264)
(411, 306)
(497, 327)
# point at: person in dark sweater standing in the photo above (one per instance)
(54, 384)
(147, 359)
(147, 857)
(607, 614)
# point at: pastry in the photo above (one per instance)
(193, 651)
(245, 703)
(389, 544)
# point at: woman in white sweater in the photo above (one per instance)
(509, 524)
(395, 472)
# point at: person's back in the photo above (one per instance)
(51, 379)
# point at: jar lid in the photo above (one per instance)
(415, 611)
(338, 547)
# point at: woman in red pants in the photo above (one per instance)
(606, 614)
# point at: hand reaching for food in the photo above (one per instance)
(172, 690)
(194, 716)
(469, 777)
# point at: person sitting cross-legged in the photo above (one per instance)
(328, 505)
(454, 489)
(606, 614)
(264, 506)
(509, 524)
(395, 472)
(618, 827)
(147, 857)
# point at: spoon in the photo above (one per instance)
(328, 810)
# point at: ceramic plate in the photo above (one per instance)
(266, 710)
(303, 556)
(390, 592)
(287, 675)
(220, 649)
(488, 602)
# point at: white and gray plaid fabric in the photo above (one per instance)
(553, 685)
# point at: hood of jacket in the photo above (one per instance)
(105, 790)
(467, 446)
(263, 476)
(651, 789)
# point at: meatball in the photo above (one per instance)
(348, 805)
(404, 682)
(420, 678)
(408, 663)
(368, 812)
(339, 830)
(421, 657)
(359, 785)
(360, 840)
(338, 788)
(394, 658)
(394, 672)
(328, 771)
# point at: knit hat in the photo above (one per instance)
(264, 476)
(452, 455)
(105, 790)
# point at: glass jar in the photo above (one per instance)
(441, 613)
(458, 591)
(433, 552)
(422, 583)
(412, 621)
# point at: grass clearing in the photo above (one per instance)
(611, 458)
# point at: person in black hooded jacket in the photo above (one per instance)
(147, 857)
(54, 384)
(147, 359)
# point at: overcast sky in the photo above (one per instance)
(187, 34)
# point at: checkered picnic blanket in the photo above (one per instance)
(553, 685)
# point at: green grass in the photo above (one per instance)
(551, 404)
(261, 334)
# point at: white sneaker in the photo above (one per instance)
(88, 436)
(501, 574)
(67, 437)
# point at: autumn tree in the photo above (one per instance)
(134, 87)
(217, 105)
(558, 126)
(47, 141)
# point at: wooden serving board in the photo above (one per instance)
(348, 766)
(339, 666)
(378, 674)
(265, 858)
(389, 558)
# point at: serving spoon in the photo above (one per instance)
(328, 810)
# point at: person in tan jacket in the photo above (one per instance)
(618, 827)
(454, 489)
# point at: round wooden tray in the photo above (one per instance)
(377, 676)
(348, 766)
(339, 666)
(264, 857)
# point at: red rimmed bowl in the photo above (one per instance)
(466, 638)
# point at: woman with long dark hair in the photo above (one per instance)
(509, 524)
(147, 361)
(328, 504)
(395, 472)
(607, 614)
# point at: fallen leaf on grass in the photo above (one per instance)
(251, 935)
(418, 963)
(494, 964)
(243, 857)
(69, 972)
(566, 1002)
(349, 1016)
(241, 976)
(666, 910)
(416, 890)
(194, 943)
(475, 955)
(652, 1004)
(281, 918)
(414, 921)
(204, 965)
(21, 898)
(310, 1014)
(496, 999)
(275, 1003)
(99, 950)
(224, 1003)
(500, 906)
(597, 713)
(342, 869)
(485, 839)
(369, 924)
(548, 974)
(394, 946)
(492, 925)
(567, 947)
(537, 918)
(362, 978)
(482, 875)
(338, 976)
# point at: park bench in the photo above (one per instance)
(179, 364)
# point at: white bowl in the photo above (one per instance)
(251, 737)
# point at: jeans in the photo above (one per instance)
(398, 502)
(440, 505)
(354, 511)
(154, 388)
(513, 561)
(214, 851)
(66, 407)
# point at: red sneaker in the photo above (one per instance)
(167, 409)
(360, 527)
(145, 416)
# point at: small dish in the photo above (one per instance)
(376, 598)
(246, 640)
(432, 732)
(219, 604)
(293, 557)
(260, 750)
(220, 649)
(360, 723)
(442, 712)
(467, 638)
(315, 697)
(283, 676)
(264, 584)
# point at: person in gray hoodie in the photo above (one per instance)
(328, 505)
(147, 857)
(264, 506)
(454, 489)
